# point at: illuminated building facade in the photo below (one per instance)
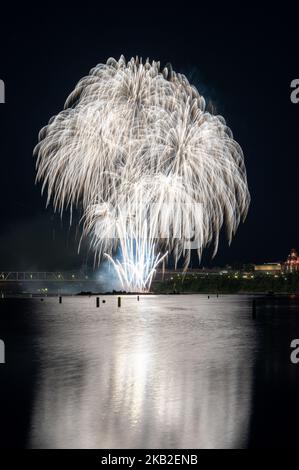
(268, 268)
(292, 263)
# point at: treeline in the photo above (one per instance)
(229, 284)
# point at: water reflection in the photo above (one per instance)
(159, 373)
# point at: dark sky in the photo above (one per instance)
(242, 63)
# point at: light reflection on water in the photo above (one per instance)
(165, 372)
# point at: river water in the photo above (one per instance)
(179, 371)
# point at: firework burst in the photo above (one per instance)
(151, 169)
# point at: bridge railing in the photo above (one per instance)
(28, 276)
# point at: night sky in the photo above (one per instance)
(243, 64)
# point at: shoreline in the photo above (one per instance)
(269, 295)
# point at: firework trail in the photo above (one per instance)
(150, 168)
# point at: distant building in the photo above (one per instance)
(292, 263)
(268, 268)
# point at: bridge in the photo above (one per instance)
(39, 276)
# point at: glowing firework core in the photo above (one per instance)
(136, 149)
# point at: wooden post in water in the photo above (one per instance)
(119, 301)
(60, 299)
(98, 302)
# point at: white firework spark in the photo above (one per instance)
(137, 150)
